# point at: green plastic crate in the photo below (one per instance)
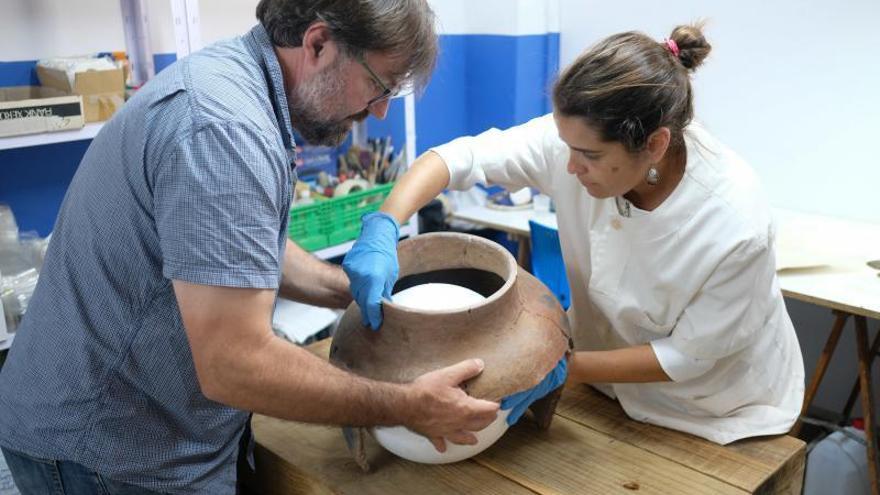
(344, 213)
(335, 220)
(306, 226)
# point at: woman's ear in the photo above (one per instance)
(658, 143)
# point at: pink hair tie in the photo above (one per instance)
(672, 46)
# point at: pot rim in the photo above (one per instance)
(510, 279)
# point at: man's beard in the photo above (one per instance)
(311, 102)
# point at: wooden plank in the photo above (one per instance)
(295, 458)
(851, 290)
(569, 458)
(277, 477)
(788, 480)
(747, 464)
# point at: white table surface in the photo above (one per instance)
(820, 260)
(823, 260)
(511, 221)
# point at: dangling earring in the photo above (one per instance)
(652, 177)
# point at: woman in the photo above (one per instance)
(666, 236)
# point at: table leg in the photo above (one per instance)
(867, 402)
(821, 367)
(854, 393)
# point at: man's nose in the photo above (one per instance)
(380, 109)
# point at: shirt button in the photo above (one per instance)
(616, 224)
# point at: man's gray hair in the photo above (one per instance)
(401, 29)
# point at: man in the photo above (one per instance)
(148, 337)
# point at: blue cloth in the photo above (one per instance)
(35, 476)
(371, 265)
(191, 180)
(520, 401)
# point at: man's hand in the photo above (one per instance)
(372, 267)
(519, 401)
(443, 410)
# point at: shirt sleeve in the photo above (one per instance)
(731, 308)
(218, 201)
(514, 158)
(679, 366)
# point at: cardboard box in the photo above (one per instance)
(102, 91)
(35, 109)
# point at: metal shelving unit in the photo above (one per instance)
(27, 140)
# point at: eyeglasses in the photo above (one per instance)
(386, 91)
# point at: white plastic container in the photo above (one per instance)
(541, 203)
(403, 441)
(838, 464)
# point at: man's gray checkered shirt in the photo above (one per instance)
(190, 181)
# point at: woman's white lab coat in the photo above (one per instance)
(695, 278)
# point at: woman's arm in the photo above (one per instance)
(514, 158)
(636, 364)
(427, 178)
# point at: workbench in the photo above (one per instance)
(591, 447)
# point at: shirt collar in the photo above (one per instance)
(257, 40)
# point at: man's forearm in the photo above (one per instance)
(278, 379)
(310, 280)
(637, 364)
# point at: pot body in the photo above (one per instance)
(519, 330)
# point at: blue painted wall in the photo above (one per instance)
(481, 81)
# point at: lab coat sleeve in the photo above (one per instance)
(679, 366)
(514, 158)
(731, 307)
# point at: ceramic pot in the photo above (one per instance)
(519, 330)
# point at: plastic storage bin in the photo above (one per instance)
(838, 464)
(307, 226)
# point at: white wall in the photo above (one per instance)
(33, 29)
(790, 84)
(501, 17)
(70, 27)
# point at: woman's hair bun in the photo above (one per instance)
(692, 45)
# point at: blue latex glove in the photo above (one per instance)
(371, 265)
(520, 401)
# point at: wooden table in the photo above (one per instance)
(591, 447)
(823, 261)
